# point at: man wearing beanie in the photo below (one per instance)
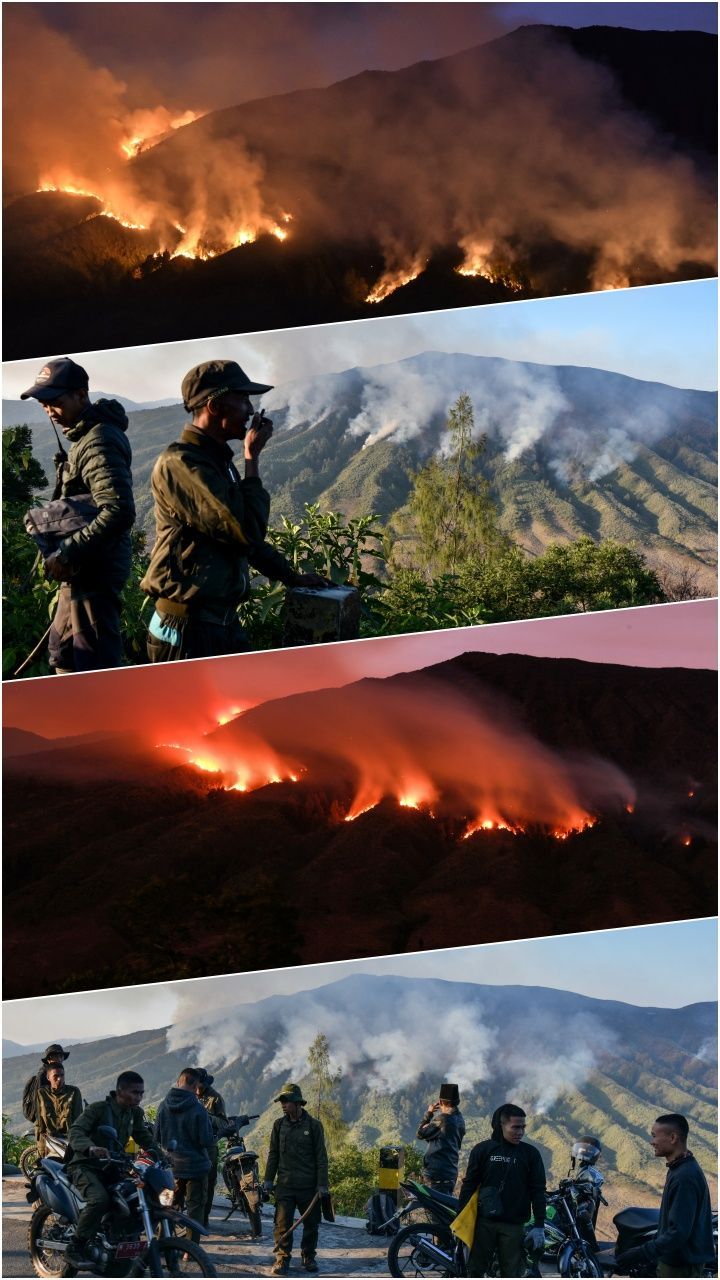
(211, 522)
(508, 1177)
(443, 1128)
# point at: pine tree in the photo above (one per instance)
(455, 518)
(322, 1091)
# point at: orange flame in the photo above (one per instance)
(483, 258)
(395, 278)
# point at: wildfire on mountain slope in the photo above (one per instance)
(436, 753)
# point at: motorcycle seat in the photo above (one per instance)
(450, 1201)
(637, 1219)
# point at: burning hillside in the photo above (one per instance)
(584, 784)
(397, 189)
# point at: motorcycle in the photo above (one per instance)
(635, 1227)
(570, 1215)
(241, 1174)
(55, 1148)
(136, 1236)
(426, 1248)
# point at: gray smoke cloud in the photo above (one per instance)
(556, 1058)
(518, 406)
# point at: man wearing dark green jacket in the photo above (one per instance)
(121, 1110)
(91, 564)
(215, 1106)
(298, 1159)
(210, 522)
(57, 1106)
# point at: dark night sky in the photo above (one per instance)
(211, 55)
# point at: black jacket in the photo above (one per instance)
(183, 1117)
(685, 1235)
(518, 1169)
(444, 1135)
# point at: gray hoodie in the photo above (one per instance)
(183, 1117)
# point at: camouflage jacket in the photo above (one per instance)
(130, 1122)
(98, 463)
(55, 1112)
(297, 1154)
(209, 525)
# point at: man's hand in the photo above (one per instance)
(99, 1153)
(323, 1191)
(267, 1188)
(56, 567)
(257, 436)
(631, 1258)
(537, 1239)
(312, 580)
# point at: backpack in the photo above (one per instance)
(49, 525)
(379, 1208)
(29, 1099)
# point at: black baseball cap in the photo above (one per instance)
(55, 378)
(214, 378)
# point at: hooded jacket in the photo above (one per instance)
(98, 463)
(515, 1169)
(183, 1117)
(443, 1134)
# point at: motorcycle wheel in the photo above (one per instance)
(179, 1257)
(29, 1159)
(46, 1262)
(575, 1262)
(405, 1254)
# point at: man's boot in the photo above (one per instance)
(281, 1268)
(310, 1264)
(76, 1254)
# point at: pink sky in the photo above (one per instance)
(674, 635)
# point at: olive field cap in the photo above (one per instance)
(56, 378)
(450, 1093)
(214, 378)
(291, 1093)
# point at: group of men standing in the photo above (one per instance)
(211, 522)
(503, 1170)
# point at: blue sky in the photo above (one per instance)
(666, 965)
(664, 333)
(643, 16)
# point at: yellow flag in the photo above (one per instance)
(464, 1225)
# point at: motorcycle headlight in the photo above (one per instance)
(166, 1197)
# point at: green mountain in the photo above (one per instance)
(579, 1065)
(570, 451)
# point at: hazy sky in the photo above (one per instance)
(667, 965)
(191, 695)
(209, 55)
(663, 333)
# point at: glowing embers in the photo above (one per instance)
(396, 278)
(69, 190)
(485, 824)
(201, 245)
(484, 258)
(150, 127)
(261, 769)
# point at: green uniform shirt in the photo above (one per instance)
(297, 1154)
(130, 1122)
(55, 1112)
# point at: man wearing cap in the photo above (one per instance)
(92, 563)
(54, 1056)
(298, 1158)
(215, 1107)
(443, 1128)
(211, 523)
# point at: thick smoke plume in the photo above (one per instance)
(428, 746)
(385, 1044)
(590, 430)
(516, 148)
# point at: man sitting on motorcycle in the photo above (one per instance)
(121, 1111)
(57, 1106)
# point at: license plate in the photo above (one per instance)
(130, 1249)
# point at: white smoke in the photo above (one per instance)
(556, 1058)
(381, 1047)
(708, 1051)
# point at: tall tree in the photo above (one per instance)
(455, 518)
(323, 1090)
